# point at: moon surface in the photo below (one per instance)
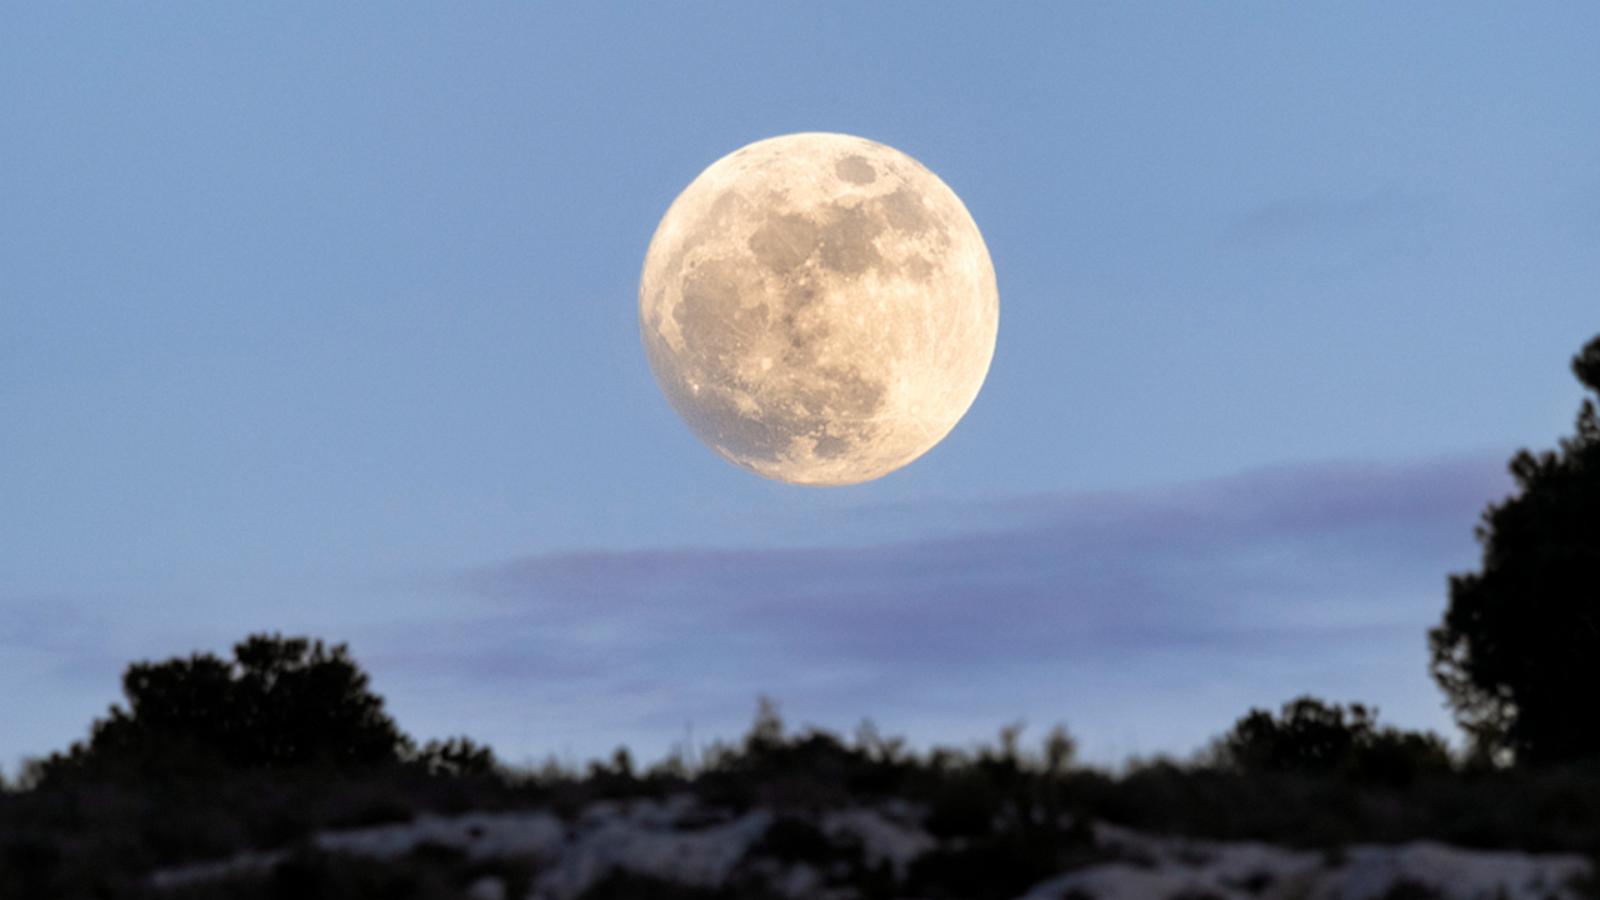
(819, 308)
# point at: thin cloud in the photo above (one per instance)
(1254, 580)
(1146, 619)
(1321, 216)
(51, 624)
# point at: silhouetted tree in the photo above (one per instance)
(766, 733)
(280, 702)
(1059, 750)
(1518, 651)
(1310, 736)
(455, 757)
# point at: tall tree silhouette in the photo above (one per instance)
(1518, 651)
(280, 702)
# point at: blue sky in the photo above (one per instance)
(325, 321)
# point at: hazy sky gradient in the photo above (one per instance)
(324, 320)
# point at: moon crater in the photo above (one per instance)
(819, 308)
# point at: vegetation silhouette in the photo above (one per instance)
(1004, 814)
(1518, 650)
(1310, 736)
(280, 702)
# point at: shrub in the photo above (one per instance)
(280, 702)
(1309, 736)
(456, 757)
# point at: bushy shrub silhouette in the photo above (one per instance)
(1309, 736)
(455, 757)
(280, 702)
(1518, 650)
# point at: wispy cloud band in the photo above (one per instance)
(1070, 606)
(1146, 619)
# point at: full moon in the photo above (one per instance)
(819, 308)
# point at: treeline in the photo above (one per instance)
(143, 794)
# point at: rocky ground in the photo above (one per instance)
(681, 848)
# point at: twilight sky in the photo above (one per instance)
(324, 321)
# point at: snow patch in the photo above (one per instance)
(882, 839)
(1165, 867)
(479, 835)
(703, 858)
